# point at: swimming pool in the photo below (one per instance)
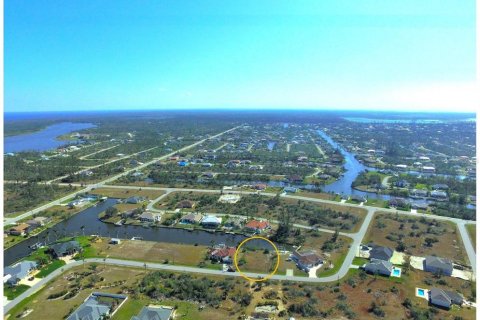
(421, 292)
(396, 272)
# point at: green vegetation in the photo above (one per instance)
(54, 265)
(14, 291)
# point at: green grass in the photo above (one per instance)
(185, 310)
(49, 268)
(13, 292)
(357, 261)
(338, 263)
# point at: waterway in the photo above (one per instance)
(45, 139)
(88, 218)
(353, 168)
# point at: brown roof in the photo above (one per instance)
(20, 227)
(223, 252)
(255, 224)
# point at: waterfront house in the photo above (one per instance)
(382, 267)
(150, 216)
(134, 200)
(234, 223)
(358, 198)
(260, 186)
(65, 248)
(418, 193)
(20, 230)
(37, 222)
(155, 313)
(290, 189)
(191, 218)
(13, 274)
(381, 253)
(223, 254)
(115, 241)
(257, 226)
(443, 298)
(428, 169)
(306, 260)
(211, 222)
(438, 265)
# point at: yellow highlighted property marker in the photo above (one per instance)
(235, 259)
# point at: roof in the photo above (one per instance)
(381, 253)
(376, 265)
(307, 257)
(20, 270)
(211, 219)
(154, 313)
(439, 263)
(193, 216)
(92, 309)
(256, 224)
(20, 227)
(65, 247)
(223, 252)
(440, 296)
(149, 215)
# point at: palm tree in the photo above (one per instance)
(83, 230)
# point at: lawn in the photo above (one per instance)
(49, 268)
(13, 292)
(390, 230)
(472, 232)
(185, 310)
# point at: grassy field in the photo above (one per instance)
(127, 193)
(151, 251)
(54, 265)
(185, 310)
(472, 232)
(13, 292)
(389, 230)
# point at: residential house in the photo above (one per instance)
(376, 266)
(211, 222)
(439, 195)
(428, 169)
(150, 216)
(418, 193)
(358, 198)
(290, 189)
(234, 223)
(155, 313)
(306, 260)
(440, 186)
(419, 205)
(185, 204)
(115, 241)
(38, 222)
(191, 218)
(402, 184)
(229, 198)
(438, 265)
(20, 230)
(260, 186)
(257, 226)
(295, 179)
(381, 253)
(398, 203)
(223, 254)
(444, 298)
(65, 248)
(13, 274)
(134, 200)
(94, 308)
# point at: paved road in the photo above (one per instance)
(102, 183)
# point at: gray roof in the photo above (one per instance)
(91, 309)
(381, 253)
(438, 295)
(65, 247)
(439, 263)
(154, 313)
(379, 266)
(455, 297)
(19, 270)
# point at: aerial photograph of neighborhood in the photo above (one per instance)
(240, 160)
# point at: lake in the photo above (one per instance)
(45, 139)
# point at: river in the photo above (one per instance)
(353, 168)
(45, 139)
(89, 219)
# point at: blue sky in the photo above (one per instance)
(388, 55)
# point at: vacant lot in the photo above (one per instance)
(417, 236)
(151, 251)
(127, 193)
